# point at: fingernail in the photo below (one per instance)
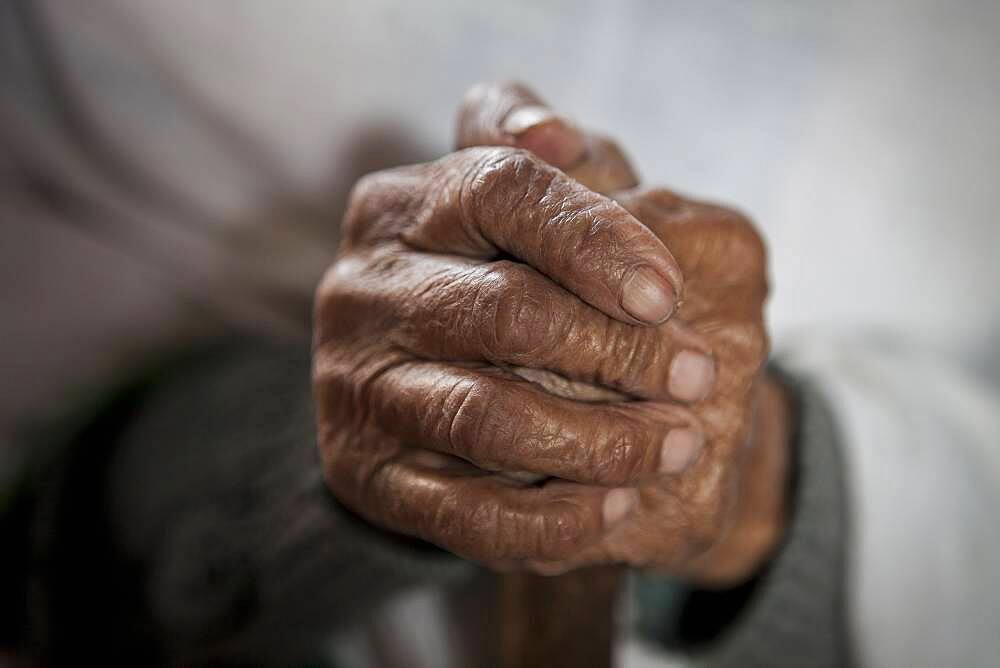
(618, 503)
(680, 448)
(523, 119)
(546, 134)
(691, 375)
(647, 296)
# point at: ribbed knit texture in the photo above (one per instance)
(198, 526)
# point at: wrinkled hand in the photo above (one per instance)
(491, 322)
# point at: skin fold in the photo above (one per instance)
(523, 357)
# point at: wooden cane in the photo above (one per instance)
(566, 620)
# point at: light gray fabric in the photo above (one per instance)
(922, 448)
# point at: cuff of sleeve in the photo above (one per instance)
(793, 612)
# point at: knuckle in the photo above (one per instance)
(605, 168)
(501, 178)
(475, 424)
(362, 189)
(331, 287)
(635, 352)
(749, 340)
(620, 455)
(654, 206)
(758, 343)
(484, 106)
(347, 466)
(473, 103)
(331, 445)
(709, 508)
(379, 202)
(512, 322)
(664, 198)
(609, 149)
(461, 420)
(483, 529)
(340, 300)
(710, 514)
(327, 292)
(747, 249)
(483, 91)
(562, 529)
(359, 202)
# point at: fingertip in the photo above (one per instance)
(680, 448)
(691, 375)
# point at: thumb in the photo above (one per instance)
(509, 114)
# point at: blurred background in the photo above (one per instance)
(173, 168)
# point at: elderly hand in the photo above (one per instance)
(491, 323)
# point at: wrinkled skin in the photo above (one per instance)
(531, 374)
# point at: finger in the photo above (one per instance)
(507, 314)
(487, 201)
(483, 517)
(726, 258)
(678, 519)
(741, 347)
(717, 244)
(500, 422)
(509, 114)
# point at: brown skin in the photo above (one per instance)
(490, 377)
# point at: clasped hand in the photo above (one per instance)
(523, 357)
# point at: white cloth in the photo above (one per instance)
(922, 446)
